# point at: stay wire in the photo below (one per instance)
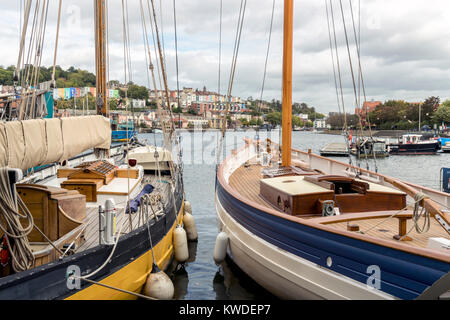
(346, 136)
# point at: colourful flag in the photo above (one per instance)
(66, 93)
(61, 93)
(72, 93)
(77, 92)
(93, 91)
(55, 94)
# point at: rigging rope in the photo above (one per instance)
(267, 56)
(346, 136)
(360, 77)
(220, 45)
(232, 73)
(353, 75)
(176, 60)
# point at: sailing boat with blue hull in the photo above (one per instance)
(316, 228)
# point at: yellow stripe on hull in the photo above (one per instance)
(132, 277)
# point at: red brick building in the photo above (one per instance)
(367, 108)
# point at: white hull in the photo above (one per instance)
(285, 275)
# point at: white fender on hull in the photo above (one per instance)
(220, 248)
(159, 285)
(190, 227)
(180, 244)
(187, 207)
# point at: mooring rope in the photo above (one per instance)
(21, 252)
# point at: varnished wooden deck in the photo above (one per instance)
(91, 231)
(246, 181)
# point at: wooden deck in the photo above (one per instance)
(91, 231)
(335, 149)
(246, 181)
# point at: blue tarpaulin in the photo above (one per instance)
(445, 179)
(134, 204)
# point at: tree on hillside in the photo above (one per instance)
(443, 113)
(274, 118)
(137, 92)
(429, 107)
(337, 120)
(297, 122)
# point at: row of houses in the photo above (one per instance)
(201, 101)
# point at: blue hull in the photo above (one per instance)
(122, 135)
(403, 275)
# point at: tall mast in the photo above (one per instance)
(100, 56)
(287, 83)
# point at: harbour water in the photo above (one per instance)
(201, 279)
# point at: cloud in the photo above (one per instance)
(404, 46)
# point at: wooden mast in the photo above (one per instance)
(287, 83)
(100, 57)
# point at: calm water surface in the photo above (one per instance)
(201, 279)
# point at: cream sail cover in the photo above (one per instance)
(31, 143)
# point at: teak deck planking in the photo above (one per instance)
(91, 233)
(246, 181)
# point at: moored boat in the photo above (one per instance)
(411, 144)
(87, 224)
(308, 227)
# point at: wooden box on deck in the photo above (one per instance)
(55, 211)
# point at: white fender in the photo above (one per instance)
(159, 286)
(187, 207)
(220, 249)
(189, 226)
(180, 244)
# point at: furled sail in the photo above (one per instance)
(30, 143)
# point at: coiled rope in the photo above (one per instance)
(21, 253)
(425, 227)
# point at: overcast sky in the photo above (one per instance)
(405, 47)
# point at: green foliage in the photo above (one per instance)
(244, 122)
(443, 113)
(177, 110)
(274, 118)
(401, 115)
(337, 120)
(137, 92)
(6, 77)
(64, 78)
(297, 122)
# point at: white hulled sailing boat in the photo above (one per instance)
(316, 228)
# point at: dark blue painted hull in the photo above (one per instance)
(403, 275)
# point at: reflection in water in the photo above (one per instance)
(180, 279)
(230, 282)
(180, 276)
(192, 248)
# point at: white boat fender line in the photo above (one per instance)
(220, 248)
(180, 244)
(190, 227)
(187, 207)
(158, 285)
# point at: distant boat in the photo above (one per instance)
(412, 144)
(369, 148)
